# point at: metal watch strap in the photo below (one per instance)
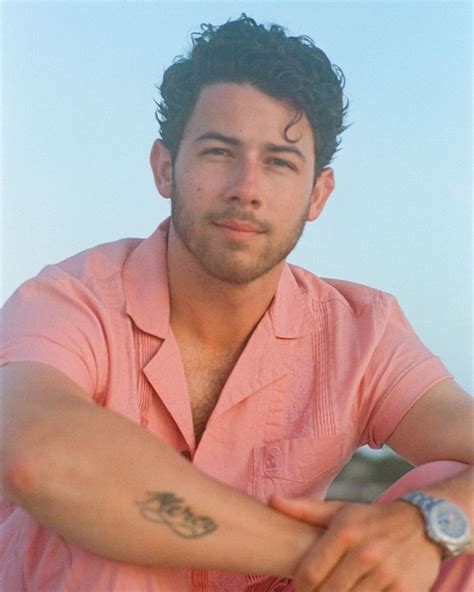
(421, 500)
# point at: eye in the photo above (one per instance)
(280, 162)
(217, 151)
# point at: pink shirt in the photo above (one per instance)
(331, 366)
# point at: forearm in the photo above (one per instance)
(93, 470)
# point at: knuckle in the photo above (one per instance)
(354, 511)
(370, 555)
(308, 576)
(349, 534)
(386, 573)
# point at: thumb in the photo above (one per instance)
(306, 509)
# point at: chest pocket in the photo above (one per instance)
(297, 466)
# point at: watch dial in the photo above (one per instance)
(448, 520)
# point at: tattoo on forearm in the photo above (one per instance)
(166, 508)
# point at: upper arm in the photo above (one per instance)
(437, 427)
(56, 320)
(397, 370)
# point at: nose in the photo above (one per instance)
(243, 188)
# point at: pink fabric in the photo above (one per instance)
(331, 366)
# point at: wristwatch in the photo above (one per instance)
(445, 523)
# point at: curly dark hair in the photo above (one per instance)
(290, 69)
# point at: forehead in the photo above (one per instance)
(242, 111)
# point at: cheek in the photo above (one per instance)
(204, 191)
(190, 190)
(293, 204)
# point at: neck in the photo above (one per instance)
(218, 315)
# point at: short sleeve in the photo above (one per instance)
(54, 319)
(401, 370)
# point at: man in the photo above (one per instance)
(201, 344)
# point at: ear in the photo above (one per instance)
(324, 186)
(162, 167)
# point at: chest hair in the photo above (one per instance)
(206, 374)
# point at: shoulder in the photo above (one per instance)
(93, 277)
(351, 297)
(348, 308)
(96, 263)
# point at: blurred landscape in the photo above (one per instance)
(367, 475)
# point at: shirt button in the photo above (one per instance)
(186, 454)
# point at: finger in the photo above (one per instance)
(371, 584)
(358, 568)
(320, 560)
(308, 510)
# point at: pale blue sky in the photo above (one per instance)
(78, 122)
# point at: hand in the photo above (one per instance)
(366, 547)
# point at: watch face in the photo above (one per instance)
(448, 522)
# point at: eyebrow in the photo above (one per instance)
(275, 148)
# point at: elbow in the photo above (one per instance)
(19, 480)
(26, 466)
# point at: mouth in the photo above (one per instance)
(237, 229)
(238, 225)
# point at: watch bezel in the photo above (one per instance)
(437, 529)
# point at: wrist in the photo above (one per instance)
(445, 524)
(299, 537)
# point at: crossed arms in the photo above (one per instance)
(139, 501)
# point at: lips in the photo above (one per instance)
(238, 226)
